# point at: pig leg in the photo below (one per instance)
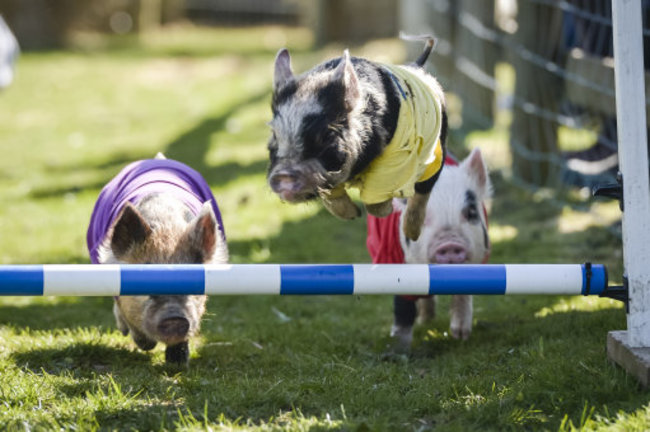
(178, 354)
(142, 341)
(402, 329)
(416, 208)
(381, 209)
(119, 320)
(338, 202)
(426, 309)
(461, 316)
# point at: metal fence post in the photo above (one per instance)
(631, 349)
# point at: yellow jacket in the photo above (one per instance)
(415, 152)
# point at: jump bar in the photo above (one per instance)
(301, 279)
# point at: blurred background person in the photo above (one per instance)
(8, 54)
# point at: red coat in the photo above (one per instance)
(383, 241)
(383, 235)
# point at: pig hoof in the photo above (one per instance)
(347, 210)
(426, 310)
(460, 324)
(350, 212)
(402, 337)
(416, 208)
(340, 205)
(177, 354)
(143, 342)
(461, 333)
(459, 328)
(381, 209)
(411, 231)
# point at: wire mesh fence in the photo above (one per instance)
(562, 128)
(546, 64)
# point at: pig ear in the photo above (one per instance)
(345, 74)
(283, 73)
(475, 166)
(130, 229)
(203, 235)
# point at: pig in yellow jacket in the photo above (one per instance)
(415, 152)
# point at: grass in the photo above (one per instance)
(73, 119)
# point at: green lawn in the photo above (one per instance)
(73, 119)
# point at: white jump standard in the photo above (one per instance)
(302, 279)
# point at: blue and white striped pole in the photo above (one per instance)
(301, 279)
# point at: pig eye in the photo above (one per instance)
(332, 158)
(470, 212)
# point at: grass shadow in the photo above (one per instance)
(85, 358)
(219, 175)
(225, 173)
(112, 162)
(109, 168)
(523, 325)
(56, 192)
(573, 341)
(513, 207)
(168, 416)
(61, 313)
(192, 146)
(287, 246)
(540, 238)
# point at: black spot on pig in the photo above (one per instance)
(129, 230)
(471, 213)
(331, 98)
(470, 209)
(385, 125)
(322, 141)
(281, 96)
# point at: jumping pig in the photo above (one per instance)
(354, 123)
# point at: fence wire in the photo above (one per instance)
(562, 128)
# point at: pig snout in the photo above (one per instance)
(174, 328)
(287, 184)
(170, 319)
(448, 253)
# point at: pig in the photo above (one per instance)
(158, 211)
(454, 232)
(354, 123)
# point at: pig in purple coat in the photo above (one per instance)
(158, 211)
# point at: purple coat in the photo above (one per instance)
(140, 179)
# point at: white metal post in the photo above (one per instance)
(633, 159)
